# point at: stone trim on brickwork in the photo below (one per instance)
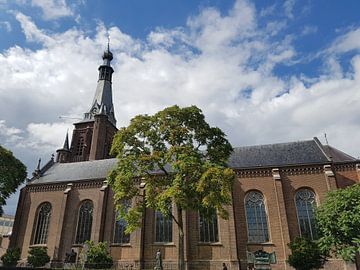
(65, 186)
(45, 188)
(346, 167)
(302, 170)
(251, 173)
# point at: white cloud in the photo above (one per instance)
(49, 135)
(309, 29)
(53, 9)
(289, 8)
(347, 42)
(9, 134)
(5, 25)
(223, 64)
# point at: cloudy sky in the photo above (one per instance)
(263, 71)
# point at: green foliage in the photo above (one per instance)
(305, 254)
(338, 220)
(98, 256)
(179, 158)
(38, 256)
(12, 174)
(11, 257)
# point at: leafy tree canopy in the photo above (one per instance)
(305, 254)
(178, 157)
(12, 174)
(338, 220)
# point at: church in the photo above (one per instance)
(277, 186)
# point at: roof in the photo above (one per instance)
(280, 154)
(245, 157)
(64, 172)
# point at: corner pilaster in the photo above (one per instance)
(61, 226)
(280, 201)
(357, 167)
(101, 212)
(330, 177)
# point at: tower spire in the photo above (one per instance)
(66, 142)
(103, 93)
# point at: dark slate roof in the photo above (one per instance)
(336, 155)
(280, 154)
(63, 172)
(270, 155)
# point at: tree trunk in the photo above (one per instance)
(181, 261)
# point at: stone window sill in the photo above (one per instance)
(210, 244)
(120, 245)
(164, 244)
(260, 244)
(37, 245)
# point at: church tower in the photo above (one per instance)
(93, 135)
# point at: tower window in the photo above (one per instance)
(42, 224)
(83, 231)
(80, 147)
(256, 218)
(163, 227)
(120, 237)
(305, 203)
(209, 228)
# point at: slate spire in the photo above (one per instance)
(103, 93)
(66, 142)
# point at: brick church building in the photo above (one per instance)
(68, 201)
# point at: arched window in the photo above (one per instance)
(120, 237)
(163, 227)
(305, 204)
(256, 218)
(85, 218)
(42, 224)
(209, 228)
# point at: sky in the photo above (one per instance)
(263, 71)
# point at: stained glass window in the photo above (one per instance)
(209, 228)
(42, 224)
(305, 203)
(120, 237)
(83, 232)
(256, 218)
(163, 227)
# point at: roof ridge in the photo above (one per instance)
(321, 147)
(268, 144)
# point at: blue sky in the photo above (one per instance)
(263, 71)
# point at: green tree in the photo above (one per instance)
(12, 174)
(11, 257)
(305, 254)
(338, 220)
(38, 256)
(98, 256)
(179, 159)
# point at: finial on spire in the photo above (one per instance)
(107, 56)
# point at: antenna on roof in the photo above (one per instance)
(326, 140)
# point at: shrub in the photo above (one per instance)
(11, 257)
(38, 256)
(305, 254)
(98, 256)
